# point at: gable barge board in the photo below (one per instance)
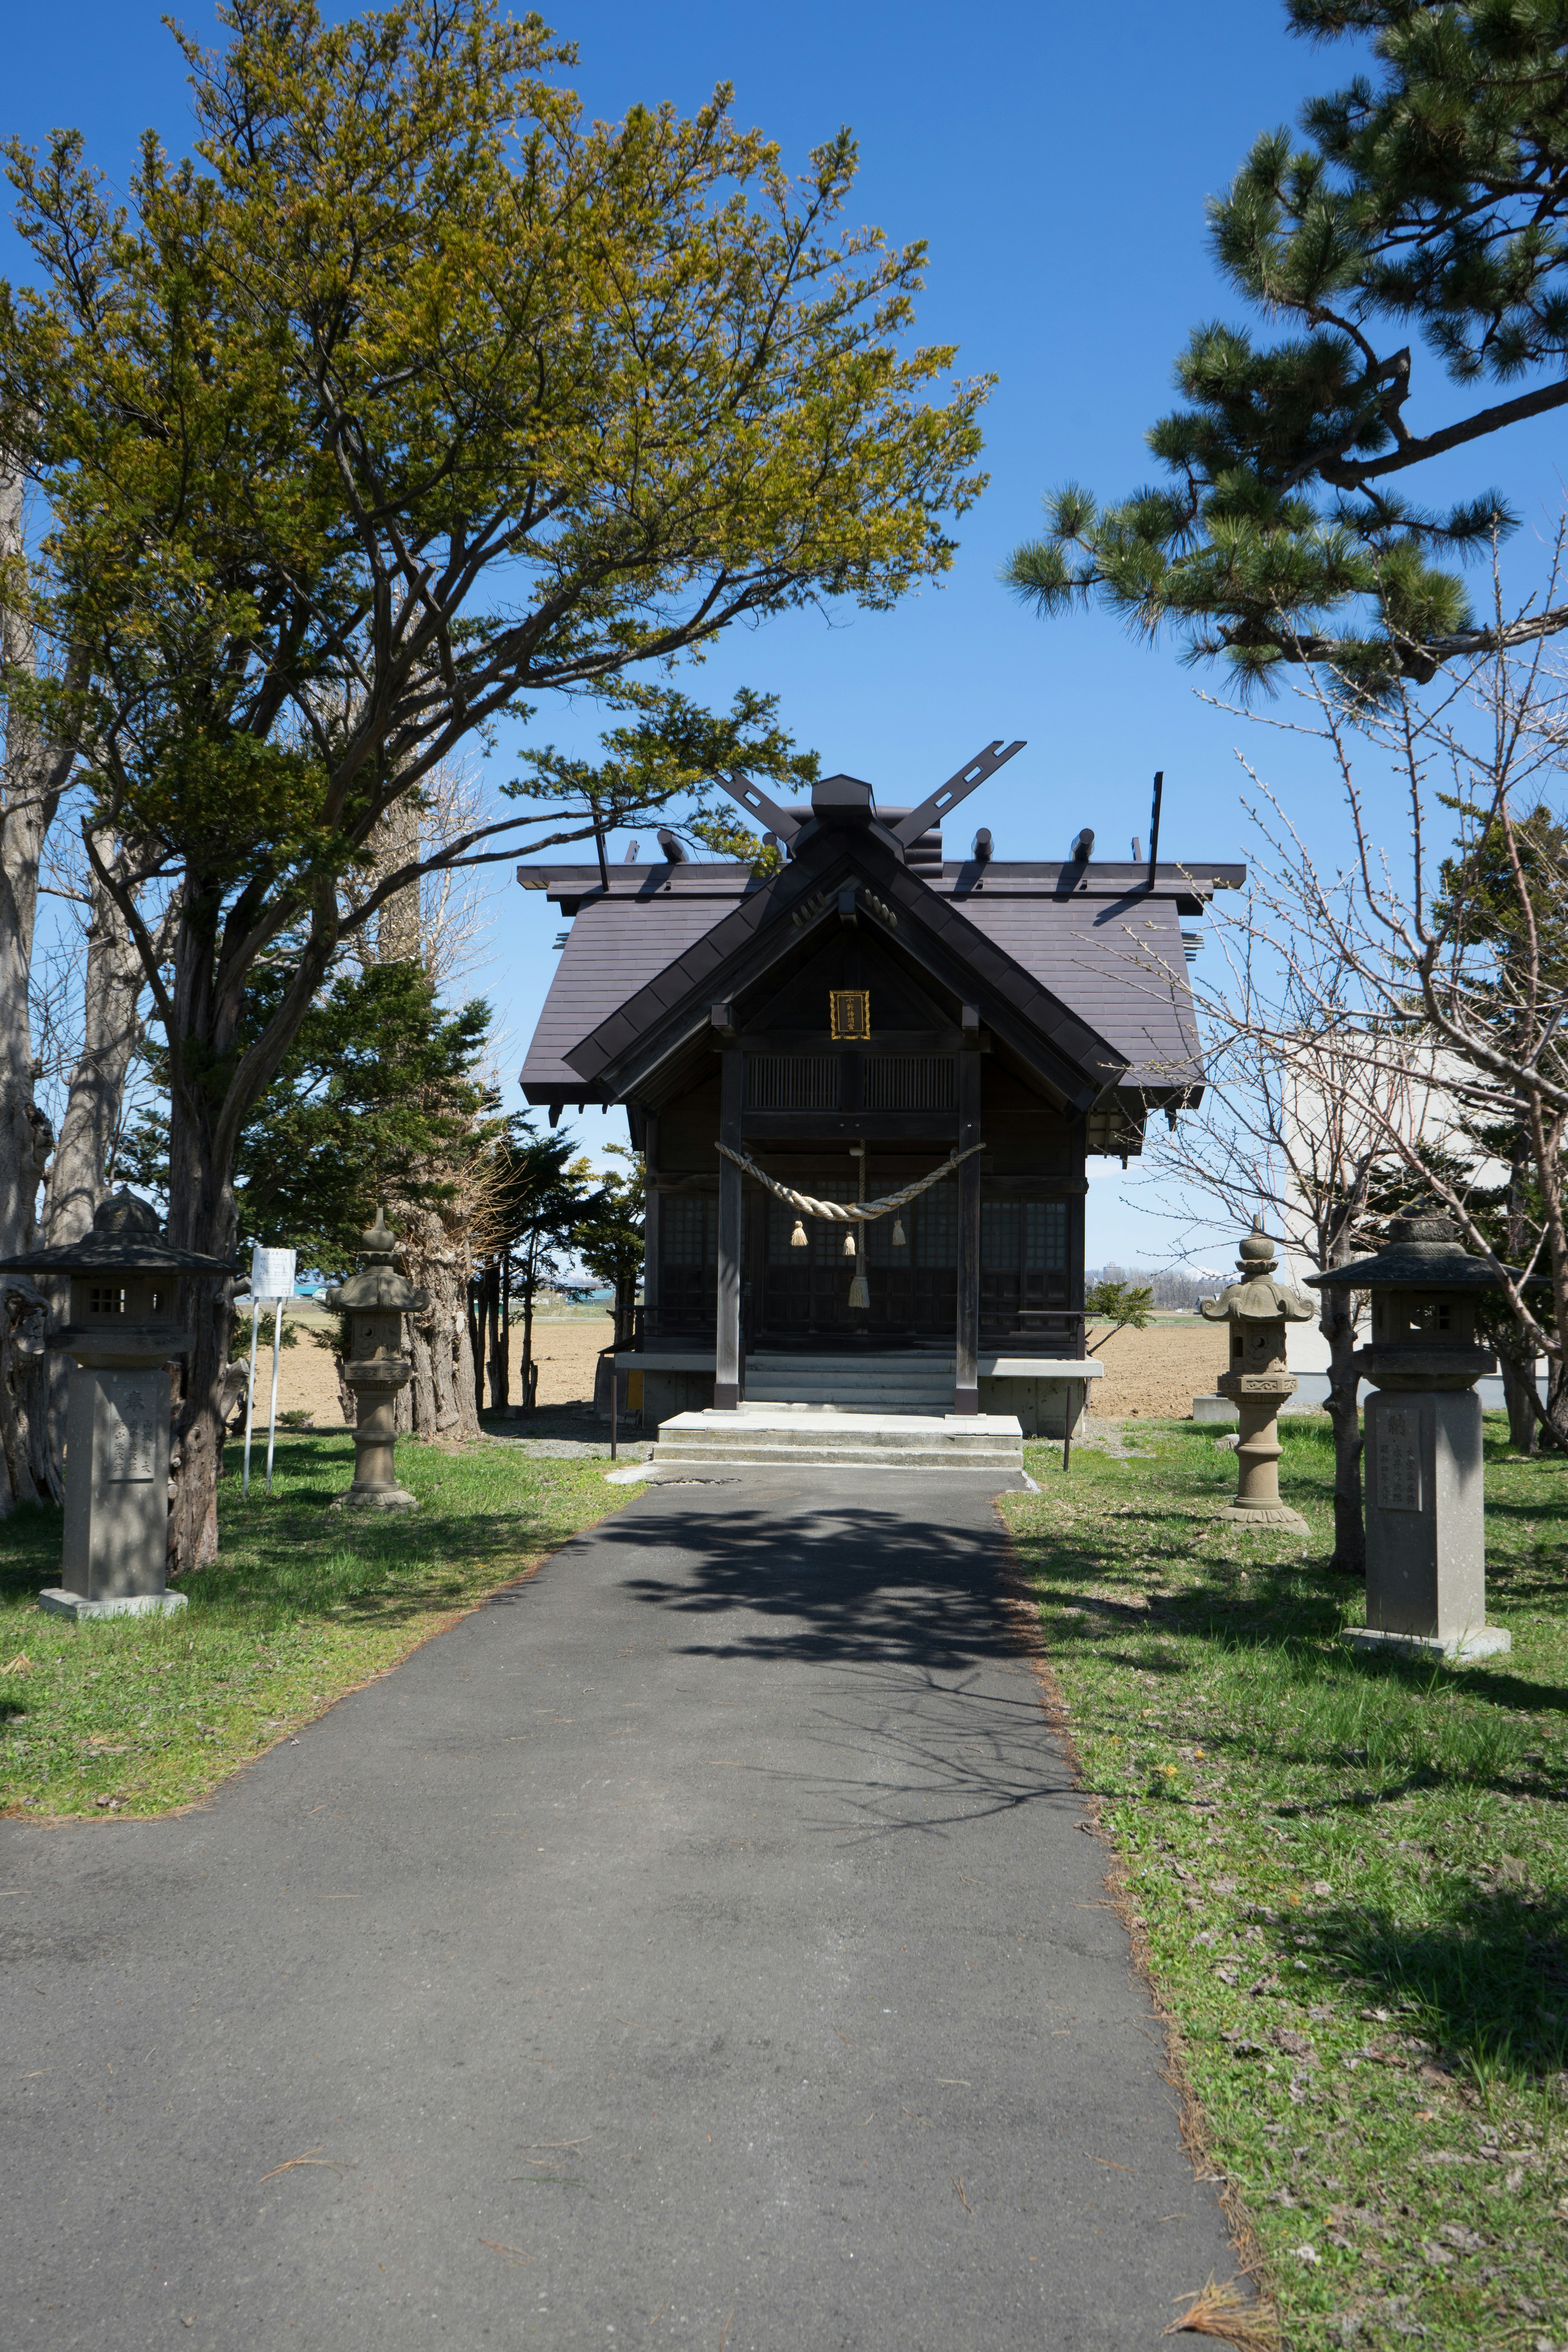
(1077, 1064)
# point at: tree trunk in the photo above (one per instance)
(438, 1401)
(529, 1379)
(1337, 1323)
(1519, 1359)
(1552, 1418)
(203, 1217)
(494, 1365)
(504, 1346)
(79, 1174)
(475, 1294)
(31, 781)
(1519, 1394)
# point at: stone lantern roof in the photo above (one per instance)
(378, 1282)
(125, 1237)
(1258, 1297)
(1421, 1253)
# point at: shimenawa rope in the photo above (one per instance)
(848, 1212)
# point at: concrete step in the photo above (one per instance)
(897, 1383)
(931, 1367)
(815, 1438)
(760, 1457)
(882, 1399)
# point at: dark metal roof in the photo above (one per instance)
(1069, 1054)
(613, 948)
(1110, 955)
(1118, 961)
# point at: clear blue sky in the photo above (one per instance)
(1057, 161)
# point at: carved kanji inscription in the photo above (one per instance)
(129, 1435)
(1399, 1460)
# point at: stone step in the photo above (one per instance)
(866, 1393)
(763, 1454)
(814, 1438)
(851, 1368)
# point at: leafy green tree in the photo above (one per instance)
(1430, 195)
(409, 398)
(608, 1235)
(541, 1182)
(379, 1087)
(1125, 1305)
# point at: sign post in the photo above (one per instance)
(272, 1283)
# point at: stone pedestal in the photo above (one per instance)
(1258, 1397)
(375, 1386)
(122, 1331)
(1256, 1383)
(374, 1301)
(117, 1492)
(1425, 1518)
(1425, 1526)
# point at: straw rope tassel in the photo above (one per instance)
(859, 1291)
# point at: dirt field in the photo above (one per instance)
(1155, 1373)
(307, 1382)
(1158, 1372)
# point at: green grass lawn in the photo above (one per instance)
(137, 1714)
(1352, 1873)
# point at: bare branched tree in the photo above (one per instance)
(1294, 1122)
(1390, 1024)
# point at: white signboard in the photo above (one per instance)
(271, 1282)
(272, 1274)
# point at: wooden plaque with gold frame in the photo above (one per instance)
(850, 1012)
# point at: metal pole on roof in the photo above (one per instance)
(599, 845)
(1154, 823)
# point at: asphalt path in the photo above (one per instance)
(696, 1946)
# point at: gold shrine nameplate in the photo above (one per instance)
(849, 1012)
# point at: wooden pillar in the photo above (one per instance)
(651, 1220)
(966, 1342)
(727, 1359)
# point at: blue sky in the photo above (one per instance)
(1057, 161)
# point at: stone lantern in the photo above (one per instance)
(1425, 1529)
(375, 1301)
(122, 1332)
(1257, 1382)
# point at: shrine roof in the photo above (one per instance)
(1104, 939)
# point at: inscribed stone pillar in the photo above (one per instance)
(1426, 1521)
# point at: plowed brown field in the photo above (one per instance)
(1155, 1373)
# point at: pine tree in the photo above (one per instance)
(540, 1184)
(1432, 195)
(609, 1234)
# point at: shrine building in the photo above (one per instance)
(873, 1014)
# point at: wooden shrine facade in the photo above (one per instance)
(870, 998)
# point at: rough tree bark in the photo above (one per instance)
(77, 1178)
(438, 1401)
(1336, 1322)
(33, 778)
